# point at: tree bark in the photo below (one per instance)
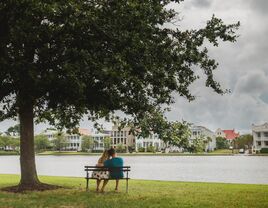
(27, 155)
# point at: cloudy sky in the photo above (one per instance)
(243, 68)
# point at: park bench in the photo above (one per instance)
(90, 169)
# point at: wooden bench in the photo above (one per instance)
(124, 169)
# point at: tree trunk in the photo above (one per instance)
(29, 177)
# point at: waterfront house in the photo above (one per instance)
(150, 141)
(206, 134)
(229, 135)
(260, 136)
(122, 137)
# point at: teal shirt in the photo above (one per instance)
(115, 162)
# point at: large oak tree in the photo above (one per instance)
(60, 60)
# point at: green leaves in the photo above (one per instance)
(72, 58)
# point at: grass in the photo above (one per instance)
(224, 151)
(141, 194)
(8, 152)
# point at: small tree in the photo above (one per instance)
(60, 141)
(244, 141)
(222, 143)
(13, 130)
(198, 145)
(41, 142)
(107, 142)
(14, 143)
(5, 141)
(87, 143)
(120, 148)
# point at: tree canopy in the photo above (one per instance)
(68, 58)
(62, 59)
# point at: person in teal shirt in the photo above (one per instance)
(116, 173)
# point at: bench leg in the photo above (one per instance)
(127, 186)
(87, 184)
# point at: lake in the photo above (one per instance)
(226, 169)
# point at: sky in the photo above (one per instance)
(243, 68)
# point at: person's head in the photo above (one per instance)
(104, 156)
(112, 152)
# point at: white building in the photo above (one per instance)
(99, 140)
(203, 132)
(152, 140)
(73, 141)
(260, 136)
(122, 137)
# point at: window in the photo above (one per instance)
(266, 143)
(258, 134)
(259, 143)
(125, 141)
(114, 140)
(265, 134)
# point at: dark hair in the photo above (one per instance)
(111, 151)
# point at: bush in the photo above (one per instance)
(141, 149)
(97, 151)
(151, 149)
(120, 148)
(264, 150)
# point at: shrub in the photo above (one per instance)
(141, 149)
(151, 149)
(264, 150)
(120, 148)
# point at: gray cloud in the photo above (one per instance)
(243, 69)
(201, 3)
(260, 5)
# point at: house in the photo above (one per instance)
(260, 136)
(206, 134)
(151, 141)
(122, 137)
(230, 135)
(73, 141)
(99, 140)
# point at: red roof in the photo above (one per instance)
(230, 134)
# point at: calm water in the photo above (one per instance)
(227, 169)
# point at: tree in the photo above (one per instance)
(13, 130)
(60, 141)
(198, 145)
(222, 143)
(87, 143)
(121, 148)
(63, 59)
(107, 142)
(41, 142)
(206, 141)
(244, 141)
(14, 143)
(176, 134)
(5, 141)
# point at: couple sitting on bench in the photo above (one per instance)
(108, 160)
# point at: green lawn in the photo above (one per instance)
(141, 194)
(8, 152)
(224, 151)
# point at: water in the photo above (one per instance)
(226, 169)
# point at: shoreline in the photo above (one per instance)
(139, 154)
